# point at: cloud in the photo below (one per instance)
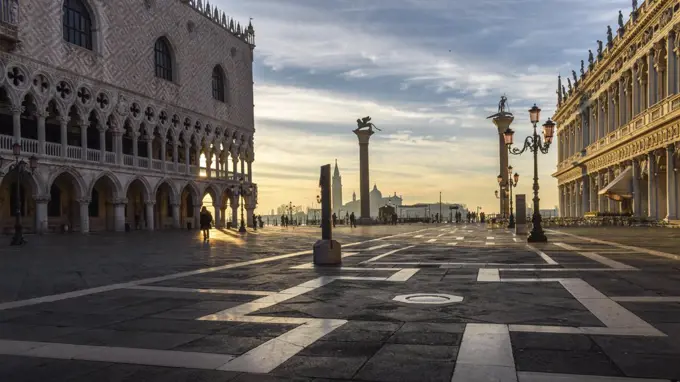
(428, 72)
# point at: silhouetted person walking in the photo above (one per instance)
(335, 219)
(205, 221)
(352, 220)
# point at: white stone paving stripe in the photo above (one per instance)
(488, 275)
(485, 355)
(432, 240)
(274, 352)
(403, 275)
(151, 357)
(652, 299)
(107, 288)
(441, 235)
(208, 291)
(454, 243)
(622, 246)
(545, 257)
(377, 247)
(418, 236)
(386, 254)
(526, 376)
(609, 312)
(599, 258)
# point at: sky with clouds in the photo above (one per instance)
(428, 72)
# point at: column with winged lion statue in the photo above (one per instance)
(364, 131)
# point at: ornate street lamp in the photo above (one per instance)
(241, 192)
(512, 182)
(535, 145)
(19, 167)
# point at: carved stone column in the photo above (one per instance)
(637, 199)
(41, 115)
(83, 140)
(41, 220)
(135, 147)
(635, 91)
(651, 185)
(671, 59)
(651, 80)
(102, 144)
(149, 206)
(149, 149)
(119, 214)
(63, 123)
(84, 215)
(16, 122)
(671, 197)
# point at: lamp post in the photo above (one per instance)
(19, 167)
(536, 145)
(512, 182)
(241, 191)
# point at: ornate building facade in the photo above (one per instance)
(135, 110)
(619, 122)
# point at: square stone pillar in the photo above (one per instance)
(149, 205)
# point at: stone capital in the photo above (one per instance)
(503, 122)
(83, 201)
(363, 135)
(150, 203)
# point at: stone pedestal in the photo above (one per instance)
(364, 181)
(502, 121)
(520, 215)
(327, 252)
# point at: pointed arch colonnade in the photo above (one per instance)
(89, 200)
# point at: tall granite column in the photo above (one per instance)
(502, 122)
(364, 136)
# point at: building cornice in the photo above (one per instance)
(592, 82)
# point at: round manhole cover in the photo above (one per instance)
(428, 298)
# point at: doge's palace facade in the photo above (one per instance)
(619, 123)
(135, 109)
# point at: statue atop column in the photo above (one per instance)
(573, 74)
(590, 59)
(365, 123)
(503, 108)
(569, 84)
(610, 37)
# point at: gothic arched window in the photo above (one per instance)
(163, 59)
(77, 24)
(218, 83)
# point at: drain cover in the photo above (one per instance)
(428, 298)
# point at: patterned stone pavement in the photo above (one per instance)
(410, 303)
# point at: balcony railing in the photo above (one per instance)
(53, 149)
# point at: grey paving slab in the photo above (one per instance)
(325, 367)
(383, 340)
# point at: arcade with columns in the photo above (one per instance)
(619, 132)
(107, 158)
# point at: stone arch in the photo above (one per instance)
(166, 183)
(211, 190)
(190, 201)
(66, 188)
(29, 190)
(145, 186)
(113, 180)
(80, 186)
